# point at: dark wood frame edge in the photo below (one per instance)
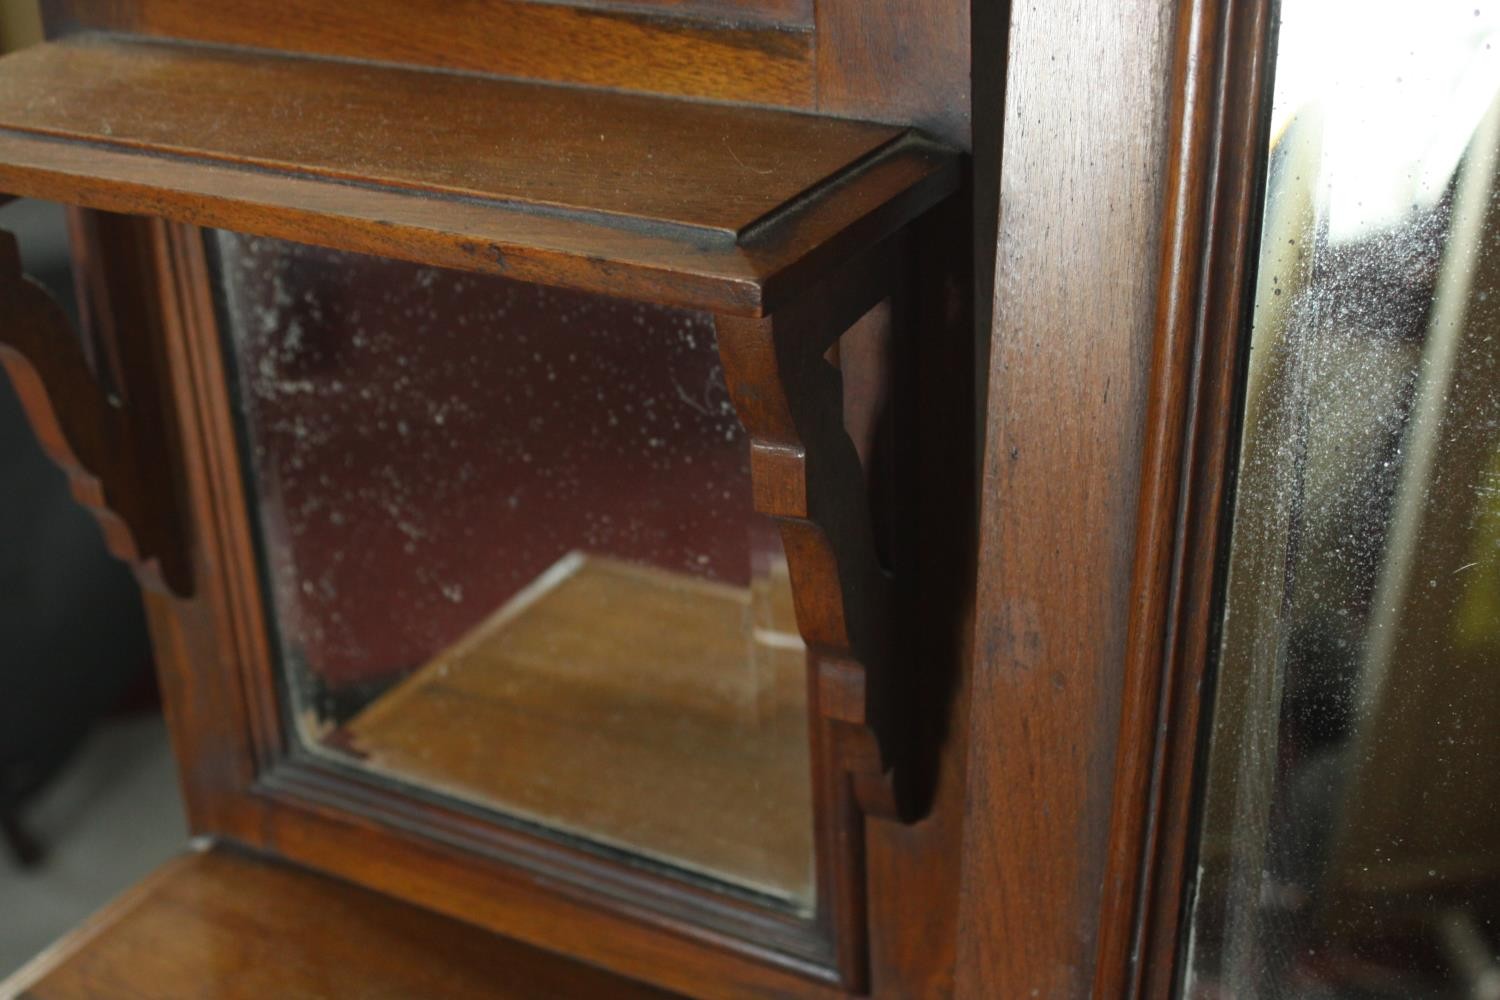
(285, 799)
(803, 468)
(1220, 114)
(279, 789)
(874, 62)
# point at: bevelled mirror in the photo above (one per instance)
(1349, 837)
(507, 538)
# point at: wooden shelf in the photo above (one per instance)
(227, 925)
(791, 229)
(722, 208)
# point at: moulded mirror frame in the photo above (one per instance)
(246, 778)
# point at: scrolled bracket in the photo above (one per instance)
(806, 473)
(111, 452)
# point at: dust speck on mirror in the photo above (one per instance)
(1349, 836)
(510, 549)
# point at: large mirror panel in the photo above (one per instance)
(1349, 842)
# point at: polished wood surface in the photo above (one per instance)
(648, 266)
(706, 206)
(895, 60)
(225, 925)
(1097, 573)
(806, 473)
(887, 60)
(760, 51)
(1220, 116)
(912, 870)
(1080, 219)
(788, 13)
(939, 64)
(626, 704)
(707, 167)
(243, 783)
(892, 61)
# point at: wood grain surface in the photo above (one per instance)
(694, 204)
(895, 60)
(1081, 203)
(787, 13)
(1219, 118)
(102, 420)
(227, 925)
(707, 167)
(878, 59)
(761, 53)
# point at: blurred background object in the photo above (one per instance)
(73, 641)
(88, 796)
(20, 24)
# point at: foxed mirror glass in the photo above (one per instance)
(1349, 842)
(509, 549)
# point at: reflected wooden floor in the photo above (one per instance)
(643, 709)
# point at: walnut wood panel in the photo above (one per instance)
(706, 167)
(241, 783)
(312, 817)
(912, 869)
(1081, 198)
(806, 473)
(670, 205)
(890, 65)
(110, 435)
(764, 56)
(461, 235)
(894, 60)
(1220, 116)
(227, 925)
(920, 62)
(787, 13)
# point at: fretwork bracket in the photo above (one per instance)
(806, 473)
(111, 444)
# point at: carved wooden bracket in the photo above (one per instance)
(806, 473)
(113, 451)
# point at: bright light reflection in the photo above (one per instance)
(1399, 86)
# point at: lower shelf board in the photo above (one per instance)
(222, 924)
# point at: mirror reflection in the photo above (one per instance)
(508, 541)
(1350, 827)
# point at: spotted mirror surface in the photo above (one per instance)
(1349, 842)
(508, 545)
